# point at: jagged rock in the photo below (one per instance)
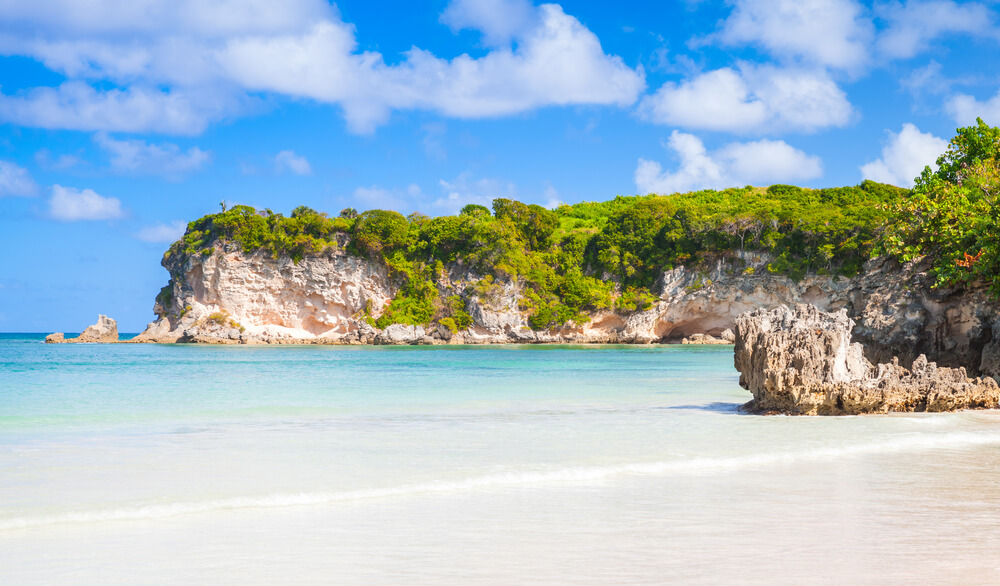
(705, 339)
(400, 334)
(802, 361)
(104, 331)
(728, 335)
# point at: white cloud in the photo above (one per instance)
(76, 105)
(914, 25)
(162, 233)
(140, 157)
(754, 99)
(736, 164)
(904, 156)
(498, 20)
(299, 49)
(375, 197)
(466, 188)
(70, 204)
(455, 194)
(45, 160)
(15, 180)
(288, 161)
(829, 33)
(964, 109)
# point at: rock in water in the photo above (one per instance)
(801, 361)
(104, 331)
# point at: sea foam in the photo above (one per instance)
(514, 479)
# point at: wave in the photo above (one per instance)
(512, 480)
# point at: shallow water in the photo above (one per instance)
(150, 464)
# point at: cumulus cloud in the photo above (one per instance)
(466, 188)
(498, 20)
(753, 99)
(913, 25)
(904, 156)
(162, 233)
(375, 197)
(289, 161)
(964, 109)
(69, 204)
(736, 164)
(140, 157)
(76, 105)
(299, 49)
(455, 194)
(15, 180)
(828, 33)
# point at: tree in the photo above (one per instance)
(475, 210)
(349, 213)
(971, 145)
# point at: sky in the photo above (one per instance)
(122, 120)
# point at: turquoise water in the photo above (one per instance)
(498, 464)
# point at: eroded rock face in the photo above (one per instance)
(231, 297)
(400, 334)
(105, 331)
(801, 361)
(329, 298)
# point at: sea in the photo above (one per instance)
(190, 464)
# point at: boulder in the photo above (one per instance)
(801, 361)
(104, 331)
(400, 334)
(56, 338)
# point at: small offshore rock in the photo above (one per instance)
(801, 361)
(104, 331)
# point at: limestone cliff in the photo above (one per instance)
(228, 296)
(802, 361)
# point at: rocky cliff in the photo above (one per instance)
(801, 360)
(228, 296)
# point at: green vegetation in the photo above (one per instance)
(952, 217)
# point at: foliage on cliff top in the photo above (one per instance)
(953, 217)
(575, 258)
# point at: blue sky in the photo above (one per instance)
(121, 120)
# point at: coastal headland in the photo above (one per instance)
(914, 271)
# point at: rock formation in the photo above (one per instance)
(332, 298)
(104, 331)
(801, 361)
(228, 296)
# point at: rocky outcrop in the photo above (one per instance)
(228, 297)
(899, 313)
(802, 361)
(105, 331)
(401, 334)
(231, 297)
